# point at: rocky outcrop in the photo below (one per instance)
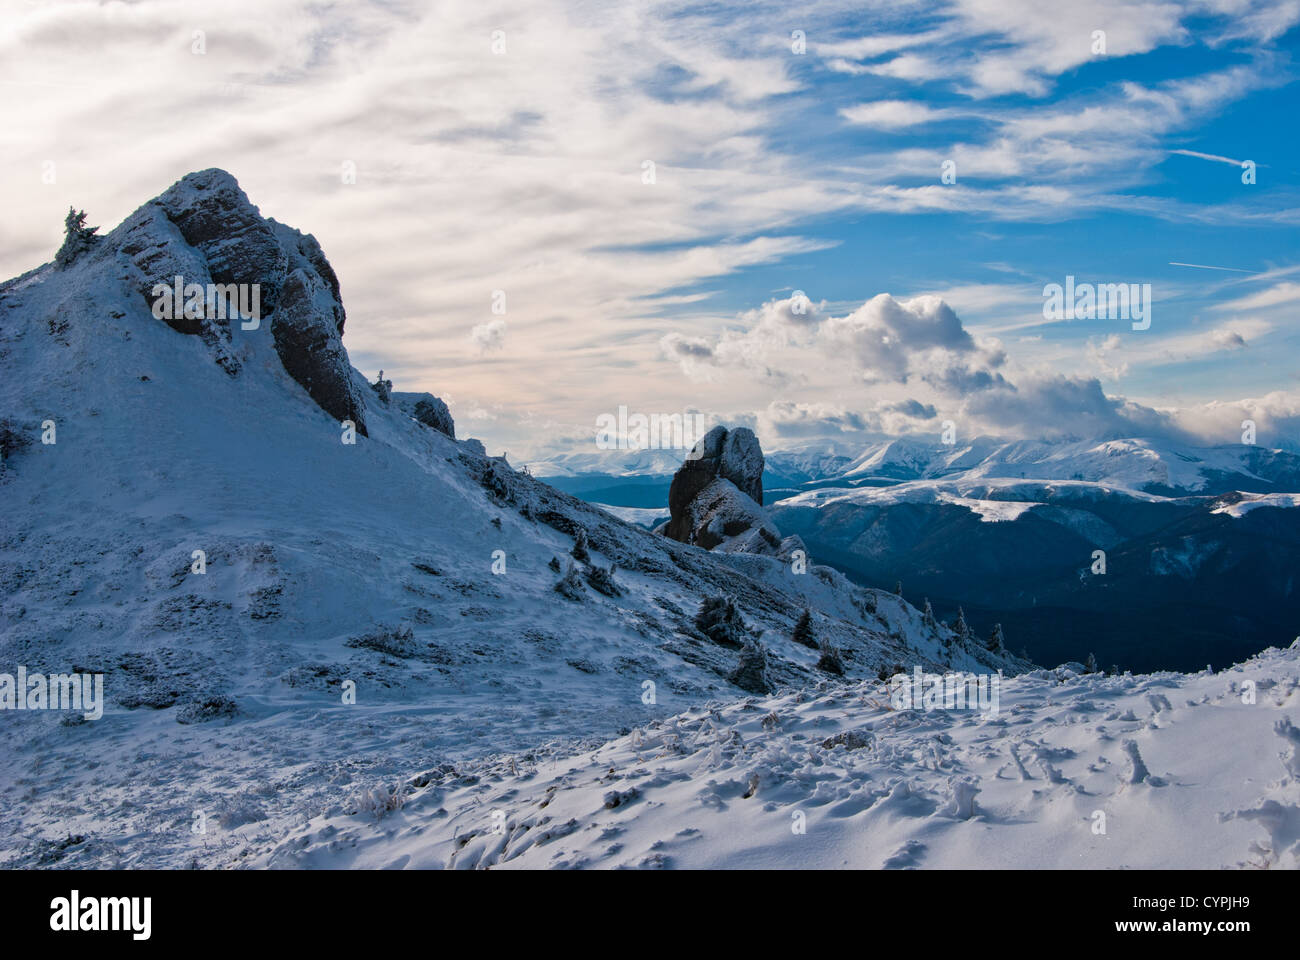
(204, 229)
(307, 326)
(715, 500)
(733, 455)
(428, 410)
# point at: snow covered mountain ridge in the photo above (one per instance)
(254, 545)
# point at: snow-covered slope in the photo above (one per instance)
(1073, 770)
(406, 563)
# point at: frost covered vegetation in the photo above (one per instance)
(330, 652)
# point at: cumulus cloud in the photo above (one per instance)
(910, 362)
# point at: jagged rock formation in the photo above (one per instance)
(731, 454)
(204, 229)
(428, 410)
(715, 500)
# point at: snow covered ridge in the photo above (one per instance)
(1077, 770)
(193, 525)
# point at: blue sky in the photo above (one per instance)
(497, 147)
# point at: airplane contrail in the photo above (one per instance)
(1203, 266)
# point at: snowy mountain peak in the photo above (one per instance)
(202, 258)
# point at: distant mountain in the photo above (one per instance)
(1200, 542)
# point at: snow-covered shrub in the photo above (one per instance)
(803, 633)
(602, 581)
(11, 439)
(235, 810)
(570, 585)
(961, 628)
(927, 616)
(383, 388)
(581, 546)
(78, 238)
(719, 620)
(496, 479)
(396, 641)
(751, 670)
(210, 708)
(830, 661)
(380, 801)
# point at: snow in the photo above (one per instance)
(1252, 501)
(487, 698)
(1075, 770)
(320, 557)
(648, 517)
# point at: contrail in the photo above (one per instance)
(1207, 156)
(1202, 266)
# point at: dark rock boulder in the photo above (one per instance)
(715, 500)
(428, 410)
(732, 455)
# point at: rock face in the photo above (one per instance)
(428, 410)
(204, 229)
(731, 454)
(715, 500)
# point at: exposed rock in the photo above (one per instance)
(715, 500)
(731, 454)
(238, 245)
(428, 410)
(722, 518)
(204, 230)
(308, 329)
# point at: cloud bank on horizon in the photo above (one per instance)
(829, 221)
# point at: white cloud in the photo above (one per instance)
(490, 335)
(892, 114)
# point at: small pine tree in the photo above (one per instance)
(927, 615)
(962, 628)
(719, 620)
(803, 633)
(751, 669)
(569, 586)
(77, 239)
(830, 661)
(996, 642)
(581, 546)
(602, 581)
(1090, 665)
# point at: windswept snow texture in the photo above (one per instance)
(1075, 770)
